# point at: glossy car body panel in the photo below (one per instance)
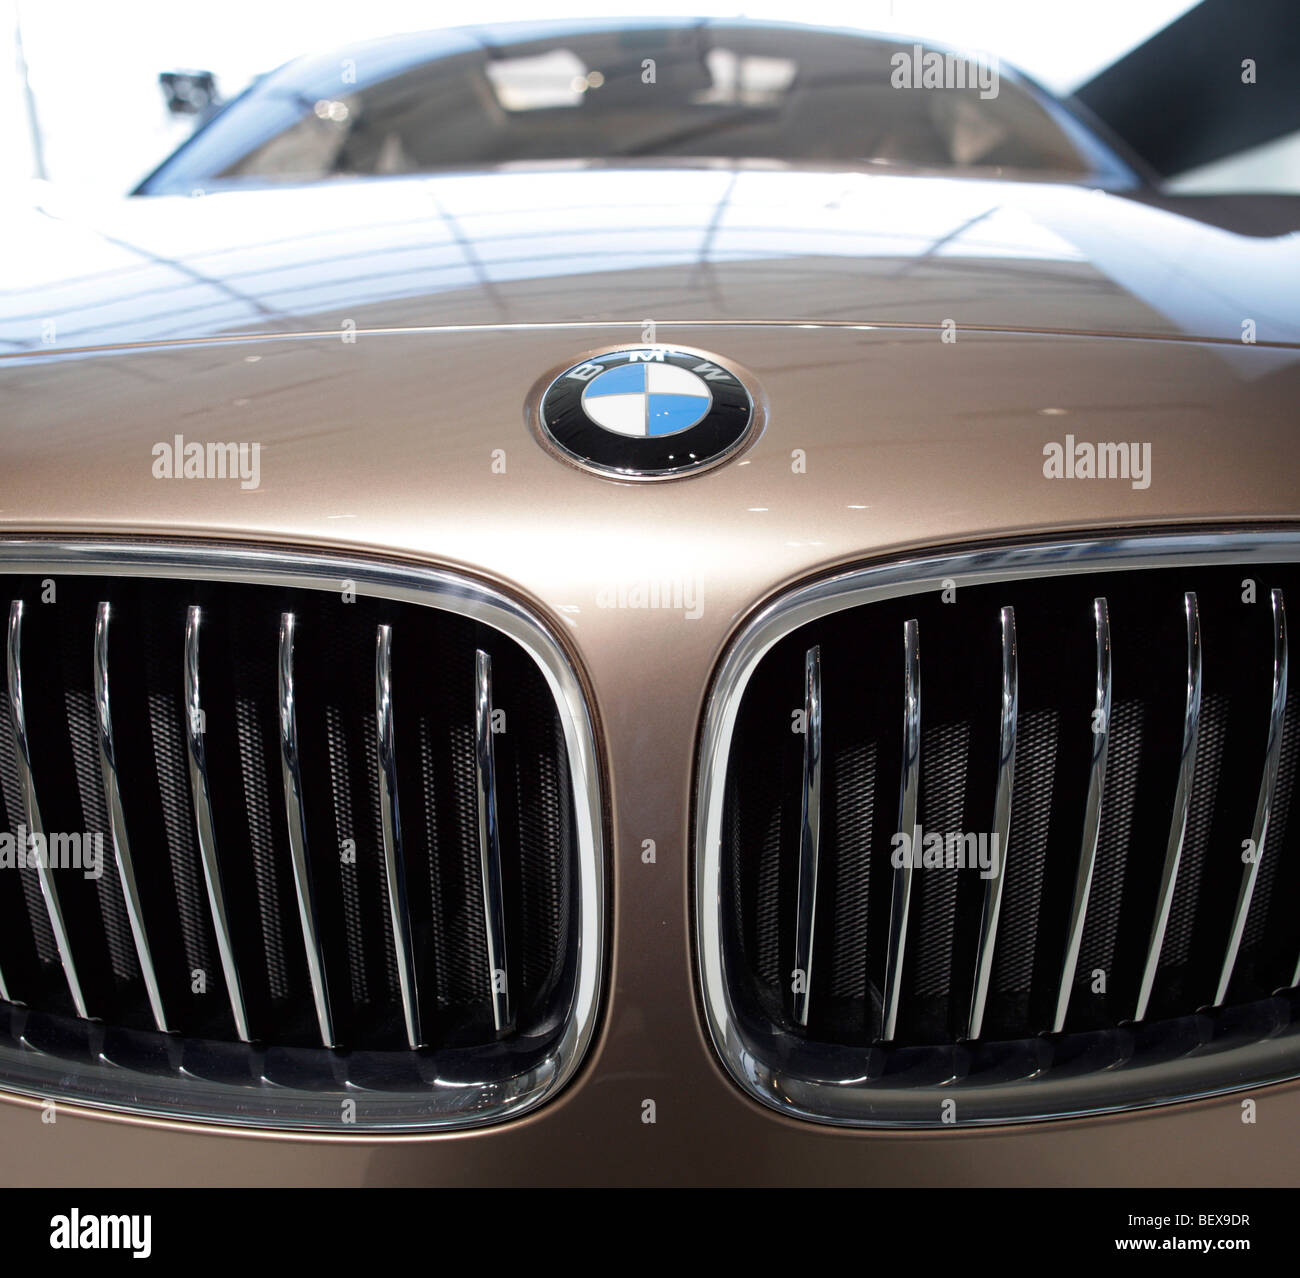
(880, 438)
(571, 243)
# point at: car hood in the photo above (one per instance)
(704, 244)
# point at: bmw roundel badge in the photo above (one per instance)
(646, 412)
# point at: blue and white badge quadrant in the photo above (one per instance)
(647, 399)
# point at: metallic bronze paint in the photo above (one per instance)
(384, 446)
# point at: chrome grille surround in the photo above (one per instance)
(837, 1085)
(515, 1080)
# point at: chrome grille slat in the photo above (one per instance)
(394, 864)
(909, 789)
(297, 818)
(1092, 813)
(1182, 793)
(489, 836)
(989, 916)
(117, 816)
(809, 834)
(204, 825)
(32, 809)
(1264, 802)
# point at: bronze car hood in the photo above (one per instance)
(829, 293)
(703, 243)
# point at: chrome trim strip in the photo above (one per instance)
(908, 788)
(399, 912)
(809, 834)
(489, 845)
(988, 936)
(32, 809)
(1178, 821)
(442, 1106)
(634, 327)
(757, 1064)
(117, 817)
(1264, 803)
(295, 811)
(204, 825)
(1091, 813)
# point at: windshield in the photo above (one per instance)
(463, 99)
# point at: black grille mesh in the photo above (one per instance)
(255, 759)
(1101, 925)
(1196, 842)
(851, 840)
(943, 807)
(1267, 958)
(33, 915)
(84, 738)
(1031, 805)
(1280, 832)
(433, 680)
(178, 821)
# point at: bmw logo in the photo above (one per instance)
(646, 412)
